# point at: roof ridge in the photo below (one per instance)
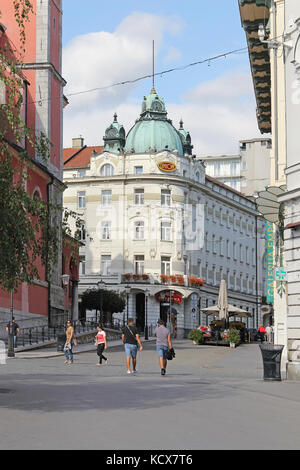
(74, 154)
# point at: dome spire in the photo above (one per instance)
(153, 74)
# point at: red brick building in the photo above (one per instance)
(43, 113)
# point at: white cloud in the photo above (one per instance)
(217, 113)
(101, 59)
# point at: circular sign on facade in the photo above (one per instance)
(167, 166)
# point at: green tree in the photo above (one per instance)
(104, 300)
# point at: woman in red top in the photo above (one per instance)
(101, 344)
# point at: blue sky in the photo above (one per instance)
(185, 32)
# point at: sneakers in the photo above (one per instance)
(128, 372)
(134, 371)
(106, 362)
(98, 364)
(163, 372)
(67, 362)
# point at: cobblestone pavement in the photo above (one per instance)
(211, 398)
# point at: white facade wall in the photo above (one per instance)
(224, 217)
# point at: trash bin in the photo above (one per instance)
(61, 340)
(271, 355)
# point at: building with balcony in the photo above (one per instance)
(159, 228)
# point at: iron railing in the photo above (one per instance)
(43, 334)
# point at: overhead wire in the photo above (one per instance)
(144, 77)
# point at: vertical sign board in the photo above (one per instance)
(270, 254)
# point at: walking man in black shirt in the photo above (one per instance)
(13, 327)
(131, 340)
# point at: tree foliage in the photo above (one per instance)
(108, 301)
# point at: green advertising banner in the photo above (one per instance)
(270, 255)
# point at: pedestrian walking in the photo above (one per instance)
(101, 345)
(163, 343)
(131, 340)
(13, 327)
(68, 349)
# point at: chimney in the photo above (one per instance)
(77, 142)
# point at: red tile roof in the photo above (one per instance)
(79, 157)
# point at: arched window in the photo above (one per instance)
(107, 170)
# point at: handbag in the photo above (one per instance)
(170, 354)
(67, 345)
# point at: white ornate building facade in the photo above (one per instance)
(157, 226)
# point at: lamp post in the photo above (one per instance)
(127, 290)
(11, 346)
(147, 293)
(100, 285)
(65, 278)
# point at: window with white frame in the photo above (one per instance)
(221, 246)
(81, 199)
(82, 173)
(253, 257)
(139, 230)
(106, 230)
(105, 264)
(107, 170)
(139, 197)
(139, 264)
(106, 197)
(228, 248)
(138, 170)
(165, 197)
(214, 244)
(247, 255)
(81, 265)
(166, 265)
(234, 250)
(165, 230)
(241, 253)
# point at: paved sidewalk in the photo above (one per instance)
(212, 397)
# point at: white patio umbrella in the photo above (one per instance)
(223, 301)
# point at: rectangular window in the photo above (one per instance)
(139, 263)
(139, 197)
(105, 264)
(228, 248)
(106, 197)
(166, 265)
(81, 199)
(106, 230)
(82, 173)
(165, 197)
(234, 250)
(139, 232)
(166, 231)
(81, 265)
(138, 170)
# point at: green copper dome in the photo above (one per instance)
(153, 131)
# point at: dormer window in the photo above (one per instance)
(107, 170)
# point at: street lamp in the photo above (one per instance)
(127, 290)
(147, 293)
(11, 345)
(100, 285)
(65, 278)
